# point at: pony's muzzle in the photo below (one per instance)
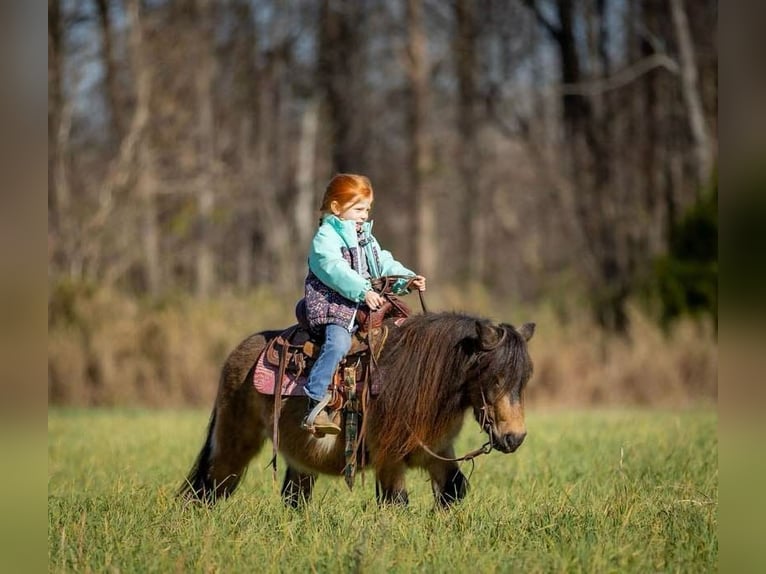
(509, 442)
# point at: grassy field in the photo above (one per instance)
(601, 491)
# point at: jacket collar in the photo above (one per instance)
(347, 229)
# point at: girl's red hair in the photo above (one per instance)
(346, 189)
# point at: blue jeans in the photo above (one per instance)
(336, 345)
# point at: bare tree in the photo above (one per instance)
(305, 175)
(703, 149)
(114, 101)
(466, 148)
(58, 191)
(341, 77)
(586, 128)
(421, 154)
(205, 74)
(145, 187)
(240, 133)
(546, 132)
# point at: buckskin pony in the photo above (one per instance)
(433, 368)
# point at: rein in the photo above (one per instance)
(486, 448)
(422, 301)
(384, 286)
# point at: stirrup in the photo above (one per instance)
(308, 421)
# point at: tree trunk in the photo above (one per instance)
(117, 122)
(205, 264)
(245, 223)
(587, 136)
(649, 123)
(340, 73)
(421, 154)
(703, 150)
(58, 190)
(305, 175)
(146, 180)
(247, 133)
(466, 70)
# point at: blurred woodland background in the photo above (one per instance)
(547, 160)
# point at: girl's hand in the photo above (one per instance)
(420, 282)
(373, 300)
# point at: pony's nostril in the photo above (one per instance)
(514, 440)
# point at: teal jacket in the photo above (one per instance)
(334, 285)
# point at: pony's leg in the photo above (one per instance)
(390, 486)
(297, 487)
(237, 437)
(237, 430)
(448, 483)
(224, 457)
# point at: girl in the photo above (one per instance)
(344, 256)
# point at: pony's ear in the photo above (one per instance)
(489, 335)
(527, 330)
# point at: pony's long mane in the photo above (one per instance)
(424, 370)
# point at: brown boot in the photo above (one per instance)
(322, 423)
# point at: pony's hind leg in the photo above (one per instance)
(238, 427)
(233, 439)
(297, 487)
(236, 433)
(240, 431)
(236, 440)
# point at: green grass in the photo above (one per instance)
(603, 491)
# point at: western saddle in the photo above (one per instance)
(296, 349)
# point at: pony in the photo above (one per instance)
(433, 369)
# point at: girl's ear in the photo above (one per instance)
(335, 207)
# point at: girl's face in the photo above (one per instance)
(357, 211)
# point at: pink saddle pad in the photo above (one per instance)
(264, 377)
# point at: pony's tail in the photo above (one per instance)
(198, 485)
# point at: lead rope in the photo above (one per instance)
(486, 448)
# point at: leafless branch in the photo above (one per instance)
(621, 78)
(122, 167)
